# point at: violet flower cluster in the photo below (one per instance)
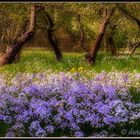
(65, 104)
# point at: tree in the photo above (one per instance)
(133, 44)
(129, 14)
(50, 28)
(91, 56)
(109, 44)
(12, 23)
(18, 42)
(131, 11)
(82, 34)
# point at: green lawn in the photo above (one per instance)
(39, 59)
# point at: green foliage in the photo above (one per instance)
(135, 94)
(3, 128)
(12, 17)
(66, 13)
(87, 128)
(120, 39)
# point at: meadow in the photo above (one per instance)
(78, 73)
(35, 60)
(40, 97)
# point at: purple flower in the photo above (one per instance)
(50, 128)
(78, 134)
(10, 134)
(41, 103)
(40, 133)
(35, 125)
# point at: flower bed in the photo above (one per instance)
(68, 104)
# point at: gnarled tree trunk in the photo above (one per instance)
(91, 56)
(52, 38)
(17, 44)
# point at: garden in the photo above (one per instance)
(70, 93)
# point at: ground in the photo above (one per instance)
(38, 59)
(40, 97)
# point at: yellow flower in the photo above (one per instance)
(73, 69)
(80, 69)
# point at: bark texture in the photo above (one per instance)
(91, 56)
(17, 44)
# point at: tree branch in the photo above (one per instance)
(128, 15)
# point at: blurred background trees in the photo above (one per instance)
(63, 32)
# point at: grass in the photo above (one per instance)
(34, 60)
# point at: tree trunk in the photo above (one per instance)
(91, 56)
(135, 47)
(129, 45)
(52, 38)
(82, 35)
(109, 45)
(17, 44)
(110, 40)
(105, 45)
(112, 46)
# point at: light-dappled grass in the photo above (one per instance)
(35, 60)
